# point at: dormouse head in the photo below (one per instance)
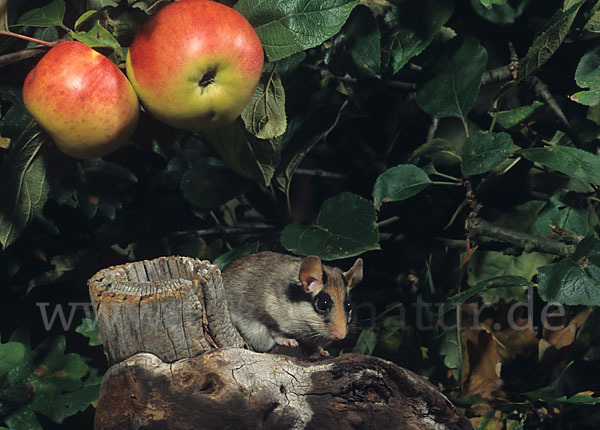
(329, 288)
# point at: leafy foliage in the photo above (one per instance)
(575, 280)
(453, 90)
(285, 28)
(50, 380)
(483, 151)
(399, 183)
(335, 234)
(452, 145)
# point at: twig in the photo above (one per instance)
(504, 73)
(401, 85)
(435, 121)
(320, 173)
(503, 247)
(494, 76)
(228, 231)
(27, 38)
(388, 221)
(472, 199)
(526, 241)
(542, 90)
(514, 61)
(23, 54)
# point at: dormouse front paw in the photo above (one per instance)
(321, 351)
(285, 341)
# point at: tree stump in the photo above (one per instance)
(177, 362)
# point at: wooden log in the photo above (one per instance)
(179, 363)
(238, 389)
(173, 307)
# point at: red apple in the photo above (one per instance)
(195, 64)
(84, 102)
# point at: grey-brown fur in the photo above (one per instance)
(268, 304)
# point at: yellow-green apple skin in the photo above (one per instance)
(195, 64)
(82, 100)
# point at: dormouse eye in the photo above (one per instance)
(347, 306)
(322, 302)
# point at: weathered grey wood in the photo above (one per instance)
(172, 307)
(179, 363)
(238, 389)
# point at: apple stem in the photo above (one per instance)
(27, 38)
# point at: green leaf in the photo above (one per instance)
(583, 398)
(413, 26)
(24, 184)
(99, 4)
(264, 116)
(549, 394)
(505, 13)
(399, 183)
(489, 3)
(48, 16)
(84, 17)
(63, 266)
(17, 118)
(366, 343)
(143, 5)
(451, 350)
(89, 329)
(209, 183)
(98, 36)
(564, 211)
(510, 118)
(574, 280)
(79, 401)
(548, 40)
(453, 90)
(245, 154)
(287, 27)
(345, 227)
(357, 49)
(224, 259)
(433, 146)
(3, 15)
(593, 24)
(49, 374)
(573, 162)
(24, 418)
(11, 354)
(123, 22)
(484, 150)
(587, 75)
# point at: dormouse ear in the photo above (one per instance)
(355, 274)
(311, 274)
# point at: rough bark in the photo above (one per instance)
(238, 389)
(179, 363)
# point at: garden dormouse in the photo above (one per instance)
(280, 299)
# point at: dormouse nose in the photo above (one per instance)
(339, 332)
